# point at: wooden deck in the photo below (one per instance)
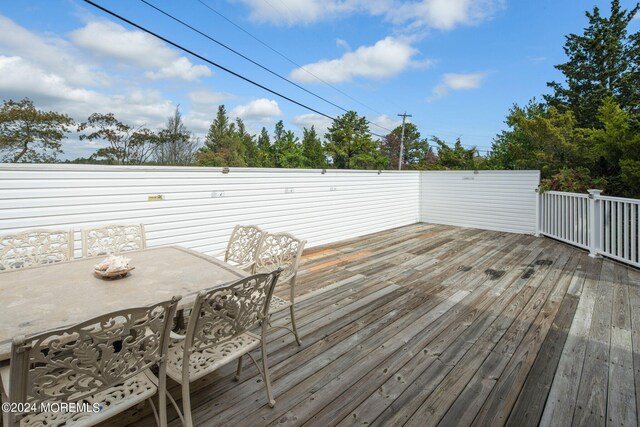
(439, 325)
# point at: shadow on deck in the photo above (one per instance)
(431, 324)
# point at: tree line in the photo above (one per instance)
(584, 134)
(31, 135)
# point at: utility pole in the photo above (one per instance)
(404, 117)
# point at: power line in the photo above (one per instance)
(190, 52)
(289, 59)
(241, 55)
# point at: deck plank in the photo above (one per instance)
(432, 324)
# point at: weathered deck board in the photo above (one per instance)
(431, 324)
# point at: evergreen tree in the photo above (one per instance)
(30, 135)
(265, 150)
(604, 61)
(287, 148)
(249, 143)
(349, 144)
(457, 157)
(541, 138)
(416, 149)
(222, 145)
(312, 150)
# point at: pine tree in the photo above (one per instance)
(251, 157)
(312, 150)
(349, 144)
(222, 146)
(265, 150)
(287, 148)
(415, 151)
(604, 61)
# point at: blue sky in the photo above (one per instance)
(455, 65)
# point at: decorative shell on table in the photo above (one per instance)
(113, 267)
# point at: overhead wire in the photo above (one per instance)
(289, 59)
(223, 68)
(241, 55)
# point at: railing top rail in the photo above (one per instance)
(566, 193)
(619, 199)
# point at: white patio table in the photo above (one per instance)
(52, 296)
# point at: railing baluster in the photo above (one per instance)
(625, 230)
(619, 218)
(585, 233)
(561, 216)
(607, 226)
(571, 220)
(634, 233)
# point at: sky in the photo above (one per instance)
(456, 66)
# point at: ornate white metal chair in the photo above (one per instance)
(281, 250)
(101, 365)
(243, 246)
(35, 247)
(218, 333)
(112, 239)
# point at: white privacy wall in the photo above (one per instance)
(492, 200)
(201, 205)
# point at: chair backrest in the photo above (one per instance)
(35, 247)
(69, 364)
(112, 239)
(279, 250)
(243, 244)
(222, 314)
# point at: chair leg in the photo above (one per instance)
(265, 374)
(239, 369)
(162, 395)
(186, 405)
(155, 413)
(293, 325)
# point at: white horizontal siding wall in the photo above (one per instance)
(492, 200)
(201, 205)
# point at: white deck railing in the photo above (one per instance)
(604, 225)
(619, 228)
(565, 216)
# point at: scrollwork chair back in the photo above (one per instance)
(102, 361)
(35, 247)
(281, 250)
(243, 244)
(112, 239)
(218, 333)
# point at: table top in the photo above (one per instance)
(53, 296)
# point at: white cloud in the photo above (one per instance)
(384, 121)
(59, 76)
(206, 97)
(456, 82)
(260, 110)
(135, 48)
(440, 14)
(386, 58)
(443, 14)
(51, 53)
(321, 123)
(292, 12)
(343, 44)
